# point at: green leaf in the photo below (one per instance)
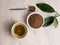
(48, 21)
(45, 7)
(55, 22)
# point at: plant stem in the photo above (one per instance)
(57, 14)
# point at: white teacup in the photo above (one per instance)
(19, 30)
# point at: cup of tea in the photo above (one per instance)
(19, 30)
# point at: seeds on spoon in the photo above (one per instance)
(31, 8)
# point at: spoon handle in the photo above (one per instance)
(19, 9)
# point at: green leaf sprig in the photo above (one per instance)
(45, 7)
(55, 22)
(49, 20)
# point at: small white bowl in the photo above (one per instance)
(15, 35)
(28, 18)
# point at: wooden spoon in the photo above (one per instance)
(30, 8)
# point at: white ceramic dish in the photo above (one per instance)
(28, 18)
